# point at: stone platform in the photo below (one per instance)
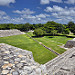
(15, 61)
(4, 33)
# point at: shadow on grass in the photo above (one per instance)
(51, 37)
(37, 36)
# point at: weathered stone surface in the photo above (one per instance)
(64, 64)
(4, 33)
(70, 43)
(15, 61)
(5, 71)
(15, 73)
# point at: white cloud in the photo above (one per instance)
(65, 14)
(54, 8)
(6, 2)
(2, 13)
(48, 1)
(58, 1)
(3, 16)
(42, 16)
(48, 9)
(17, 20)
(25, 11)
(45, 1)
(28, 15)
(70, 1)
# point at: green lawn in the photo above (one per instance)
(53, 43)
(40, 54)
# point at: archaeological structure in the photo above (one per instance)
(16, 61)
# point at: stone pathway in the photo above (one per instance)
(15, 61)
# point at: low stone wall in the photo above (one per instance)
(70, 43)
(15, 61)
(4, 33)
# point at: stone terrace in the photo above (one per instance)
(4, 33)
(15, 61)
(64, 64)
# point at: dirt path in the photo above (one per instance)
(44, 45)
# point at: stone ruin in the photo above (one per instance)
(64, 64)
(70, 43)
(15, 61)
(4, 33)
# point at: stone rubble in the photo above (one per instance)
(4, 33)
(15, 61)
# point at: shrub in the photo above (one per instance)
(38, 32)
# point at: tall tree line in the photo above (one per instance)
(47, 27)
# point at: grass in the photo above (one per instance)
(40, 54)
(53, 43)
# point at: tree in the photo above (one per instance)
(53, 31)
(71, 27)
(38, 32)
(70, 24)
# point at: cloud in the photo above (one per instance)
(65, 14)
(29, 16)
(58, 1)
(2, 13)
(70, 1)
(6, 2)
(3, 17)
(25, 11)
(48, 9)
(45, 1)
(54, 8)
(48, 1)
(55, 13)
(17, 20)
(42, 15)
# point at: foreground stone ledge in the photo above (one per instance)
(15, 61)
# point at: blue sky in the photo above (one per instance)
(37, 11)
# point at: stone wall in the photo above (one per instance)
(15, 61)
(70, 43)
(4, 33)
